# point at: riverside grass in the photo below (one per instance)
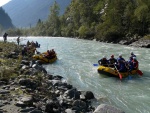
(8, 67)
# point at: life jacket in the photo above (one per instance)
(130, 64)
(112, 60)
(122, 67)
(103, 61)
(135, 64)
(133, 55)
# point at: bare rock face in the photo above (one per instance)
(141, 43)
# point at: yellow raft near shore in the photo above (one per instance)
(113, 72)
(43, 59)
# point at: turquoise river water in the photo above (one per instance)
(75, 63)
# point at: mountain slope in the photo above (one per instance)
(26, 13)
(5, 21)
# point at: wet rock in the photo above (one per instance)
(49, 107)
(89, 95)
(50, 77)
(13, 55)
(3, 91)
(28, 109)
(20, 104)
(36, 111)
(39, 67)
(24, 81)
(28, 100)
(1, 49)
(25, 62)
(24, 67)
(2, 83)
(69, 111)
(57, 77)
(79, 103)
(104, 108)
(64, 86)
(28, 83)
(54, 82)
(31, 63)
(82, 97)
(25, 101)
(72, 93)
(1, 104)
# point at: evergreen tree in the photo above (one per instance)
(53, 20)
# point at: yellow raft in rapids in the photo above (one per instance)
(43, 59)
(113, 72)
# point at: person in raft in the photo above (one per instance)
(103, 61)
(112, 61)
(133, 55)
(135, 63)
(121, 64)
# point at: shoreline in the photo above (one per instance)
(34, 90)
(134, 42)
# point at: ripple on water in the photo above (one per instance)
(76, 59)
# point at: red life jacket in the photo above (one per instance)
(135, 64)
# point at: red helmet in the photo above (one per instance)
(112, 56)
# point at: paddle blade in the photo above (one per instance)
(140, 72)
(95, 65)
(120, 76)
(129, 77)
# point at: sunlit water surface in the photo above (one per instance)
(75, 63)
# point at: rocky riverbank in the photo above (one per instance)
(135, 41)
(26, 87)
(145, 43)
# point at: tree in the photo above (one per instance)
(53, 20)
(141, 13)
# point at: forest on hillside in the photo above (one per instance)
(5, 21)
(104, 20)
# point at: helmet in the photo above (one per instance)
(134, 58)
(104, 56)
(112, 55)
(130, 58)
(131, 53)
(120, 55)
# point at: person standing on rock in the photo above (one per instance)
(18, 40)
(5, 37)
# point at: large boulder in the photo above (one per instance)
(89, 95)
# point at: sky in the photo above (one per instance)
(2, 2)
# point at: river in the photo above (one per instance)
(75, 63)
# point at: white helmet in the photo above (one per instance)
(120, 55)
(134, 58)
(104, 56)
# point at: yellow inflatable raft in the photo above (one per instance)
(44, 59)
(113, 72)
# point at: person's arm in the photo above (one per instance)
(136, 65)
(99, 62)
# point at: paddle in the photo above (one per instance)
(129, 77)
(140, 72)
(120, 76)
(95, 64)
